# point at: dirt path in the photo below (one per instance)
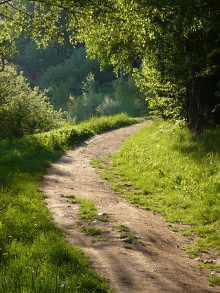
(157, 263)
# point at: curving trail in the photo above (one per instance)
(157, 263)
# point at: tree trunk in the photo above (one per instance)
(201, 101)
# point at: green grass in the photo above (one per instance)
(98, 163)
(88, 214)
(88, 210)
(214, 281)
(34, 255)
(91, 231)
(121, 228)
(126, 233)
(171, 171)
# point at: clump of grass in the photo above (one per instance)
(98, 162)
(121, 228)
(103, 218)
(88, 210)
(129, 236)
(91, 231)
(98, 238)
(176, 173)
(126, 233)
(88, 214)
(214, 280)
(34, 255)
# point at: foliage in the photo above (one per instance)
(109, 107)
(60, 69)
(177, 44)
(167, 108)
(23, 110)
(176, 173)
(123, 97)
(34, 61)
(66, 78)
(84, 107)
(133, 101)
(34, 256)
(63, 79)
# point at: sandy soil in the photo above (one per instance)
(157, 262)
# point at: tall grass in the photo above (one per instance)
(34, 255)
(177, 174)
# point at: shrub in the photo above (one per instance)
(109, 107)
(24, 110)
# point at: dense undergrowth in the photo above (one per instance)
(174, 172)
(34, 255)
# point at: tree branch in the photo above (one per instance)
(6, 1)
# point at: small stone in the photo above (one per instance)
(127, 240)
(101, 214)
(209, 261)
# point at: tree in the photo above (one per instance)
(177, 44)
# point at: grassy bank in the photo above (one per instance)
(34, 255)
(171, 171)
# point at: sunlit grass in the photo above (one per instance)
(89, 216)
(173, 172)
(34, 255)
(88, 210)
(91, 231)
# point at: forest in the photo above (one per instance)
(170, 48)
(72, 69)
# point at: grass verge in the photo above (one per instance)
(171, 171)
(34, 255)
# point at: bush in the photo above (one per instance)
(109, 107)
(24, 110)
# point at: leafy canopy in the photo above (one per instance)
(176, 42)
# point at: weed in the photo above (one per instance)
(88, 213)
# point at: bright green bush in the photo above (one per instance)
(24, 110)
